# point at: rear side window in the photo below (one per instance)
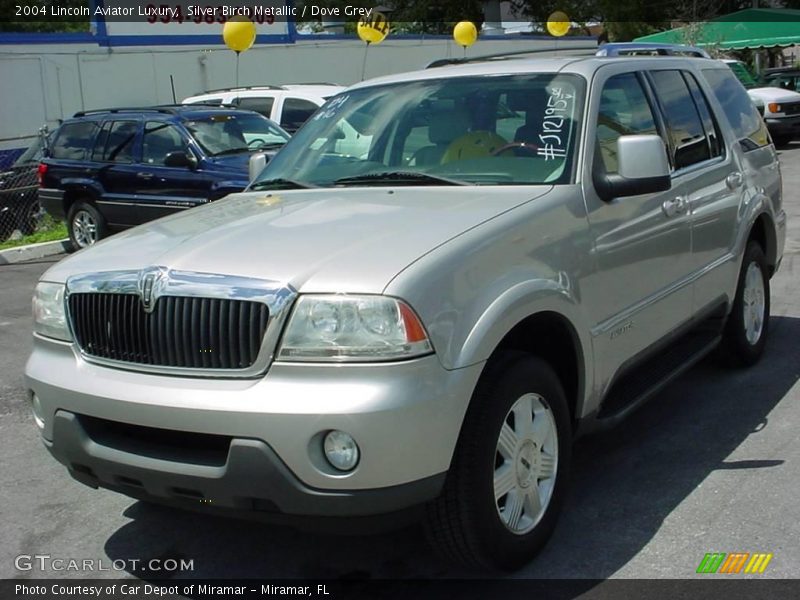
(296, 111)
(74, 140)
(710, 126)
(685, 129)
(747, 124)
(624, 110)
(116, 142)
(261, 105)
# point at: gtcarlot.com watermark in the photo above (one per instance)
(47, 562)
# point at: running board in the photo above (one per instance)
(639, 384)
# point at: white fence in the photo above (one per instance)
(45, 83)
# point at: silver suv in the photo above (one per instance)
(524, 251)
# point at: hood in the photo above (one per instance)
(322, 240)
(237, 164)
(774, 94)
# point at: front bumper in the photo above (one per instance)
(405, 417)
(252, 478)
(783, 126)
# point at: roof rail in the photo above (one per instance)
(650, 49)
(582, 50)
(208, 104)
(97, 111)
(246, 87)
(169, 109)
(309, 83)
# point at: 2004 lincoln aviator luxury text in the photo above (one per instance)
(510, 254)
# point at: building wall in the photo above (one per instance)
(44, 83)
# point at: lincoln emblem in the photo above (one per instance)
(147, 291)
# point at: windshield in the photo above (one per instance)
(235, 132)
(498, 130)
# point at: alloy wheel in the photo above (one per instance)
(526, 462)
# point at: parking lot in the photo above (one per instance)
(711, 465)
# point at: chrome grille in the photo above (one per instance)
(181, 331)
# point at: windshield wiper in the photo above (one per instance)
(280, 184)
(268, 146)
(231, 151)
(398, 178)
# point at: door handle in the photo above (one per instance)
(734, 180)
(675, 206)
(144, 175)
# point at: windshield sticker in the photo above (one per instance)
(559, 106)
(331, 108)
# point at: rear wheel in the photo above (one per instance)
(507, 482)
(745, 334)
(6, 229)
(85, 224)
(29, 221)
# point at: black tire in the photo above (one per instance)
(464, 524)
(6, 228)
(79, 209)
(29, 220)
(736, 348)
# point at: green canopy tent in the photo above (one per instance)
(751, 28)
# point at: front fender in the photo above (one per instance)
(520, 301)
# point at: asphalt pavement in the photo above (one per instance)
(710, 465)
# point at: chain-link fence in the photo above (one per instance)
(21, 215)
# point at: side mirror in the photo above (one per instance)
(257, 163)
(180, 159)
(642, 165)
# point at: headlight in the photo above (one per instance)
(339, 328)
(49, 315)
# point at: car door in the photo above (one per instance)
(640, 290)
(755, 168)
(262, 104)
(116, 154)
(707, 178)
(294, 111)
(165, 189)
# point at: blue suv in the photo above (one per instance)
(112, 169)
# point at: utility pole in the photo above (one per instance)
(757, 51)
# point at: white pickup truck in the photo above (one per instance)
(779, 107)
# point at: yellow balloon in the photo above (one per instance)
(373, 29)
(465, 33)
(239, 33)
(558, 24)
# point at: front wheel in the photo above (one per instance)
(745, 334)
(85, 224)
(507, 481)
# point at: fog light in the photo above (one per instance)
(341, 450)
(36, 407)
